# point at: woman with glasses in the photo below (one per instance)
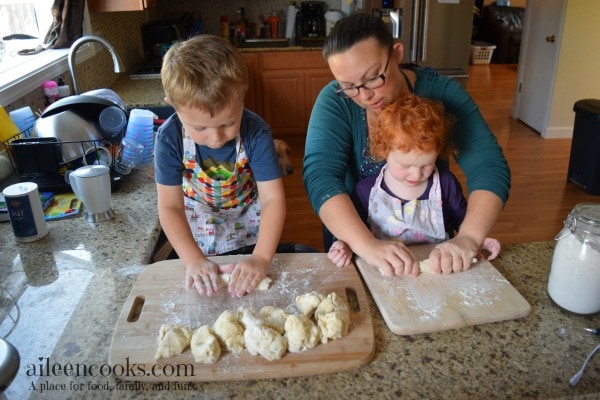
(364, 59)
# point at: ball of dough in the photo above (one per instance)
(274, 317)
(248, 317)
(307, 303)
(205, 346)
(172, 340)
(229, 331)
(223, 281)
(301, 333)
(265, 341)
(333, 317)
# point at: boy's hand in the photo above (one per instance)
(340, 253)
(203, 276)
(247, 274)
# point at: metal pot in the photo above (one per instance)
(78, 135)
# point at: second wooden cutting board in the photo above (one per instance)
(432, 303)
(159, 297)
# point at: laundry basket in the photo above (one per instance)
(481, 52)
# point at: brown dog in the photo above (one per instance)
(283, 154)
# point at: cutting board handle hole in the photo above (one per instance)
(352, 300)
(136, 309)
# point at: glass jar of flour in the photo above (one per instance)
(574, 281)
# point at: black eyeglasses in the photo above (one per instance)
(370, 84)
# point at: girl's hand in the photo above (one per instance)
(340, 253)
(247, 274)
(492, 246)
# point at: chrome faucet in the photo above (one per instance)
(91, 38)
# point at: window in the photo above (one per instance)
(21, 74)
(29, 17)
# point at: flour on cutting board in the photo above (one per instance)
(188, 308)
(477, 287)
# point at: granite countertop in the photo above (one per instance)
(61, 297)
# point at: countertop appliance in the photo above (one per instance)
(156, 39)
(310, 28)
(434, 33)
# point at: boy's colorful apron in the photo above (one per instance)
(417, 221)
(223, 211)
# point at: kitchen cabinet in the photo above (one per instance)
(251, 102)
(283, 101)
(119, 5)
(290, 83)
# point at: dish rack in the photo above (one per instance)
(39, 160)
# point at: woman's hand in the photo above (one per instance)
(390, 257)
(454, 255)
(247, 274)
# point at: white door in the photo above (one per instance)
(538, 59)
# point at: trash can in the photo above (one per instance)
(584, 163)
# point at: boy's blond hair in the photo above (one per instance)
(205, 72)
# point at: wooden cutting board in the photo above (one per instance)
(159, 297)
(435, 302)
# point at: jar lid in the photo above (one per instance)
(587, 217)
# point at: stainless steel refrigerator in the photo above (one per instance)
(435, 33)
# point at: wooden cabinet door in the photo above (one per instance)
(253, 95)
(315, 81)
(284, 101)
(291, 82)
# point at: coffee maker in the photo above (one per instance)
(310, 28)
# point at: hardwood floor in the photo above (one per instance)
(540, 197)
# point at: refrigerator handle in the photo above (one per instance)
(414, 34)
(424, 25)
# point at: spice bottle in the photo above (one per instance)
(273, 21)
(225, 27)
(574, 280)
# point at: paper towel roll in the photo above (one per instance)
(25, 211)
(290, 21)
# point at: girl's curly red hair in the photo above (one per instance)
(412, 123)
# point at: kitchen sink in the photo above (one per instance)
(274, 42)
